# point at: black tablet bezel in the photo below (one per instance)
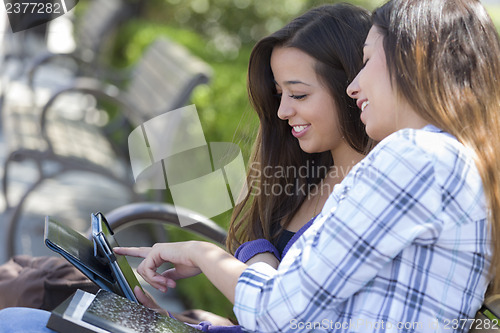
(104, 242)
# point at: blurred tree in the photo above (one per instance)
(228, 24)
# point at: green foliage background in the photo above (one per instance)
(221, 32)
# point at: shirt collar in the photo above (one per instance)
(435, 129)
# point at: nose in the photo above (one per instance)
(285, 110)
(353, 88)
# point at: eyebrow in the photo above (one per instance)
(292, 82)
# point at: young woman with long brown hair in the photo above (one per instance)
(310, 134)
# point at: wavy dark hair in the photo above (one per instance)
(443, 57)
(333, 35)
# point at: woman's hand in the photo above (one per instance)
(148, 301)
(194, 316)
(175, 253)
(189, 259)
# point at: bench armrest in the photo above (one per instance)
(164, 213)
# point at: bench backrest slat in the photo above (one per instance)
(164, 79)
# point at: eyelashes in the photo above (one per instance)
(297, 97)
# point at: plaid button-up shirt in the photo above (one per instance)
(402, 244)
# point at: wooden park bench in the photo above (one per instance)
(162, 80)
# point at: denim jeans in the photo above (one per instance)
(26, 320)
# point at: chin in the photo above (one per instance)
(312, 151)
(376, 135)
(373, 132)
(307, 149)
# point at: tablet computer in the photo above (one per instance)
(89, 257)
(104, 242)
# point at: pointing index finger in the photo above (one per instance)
(141, 252)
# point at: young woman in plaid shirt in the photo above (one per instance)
(409, 240)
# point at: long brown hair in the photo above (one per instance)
(333, 35)
(443, 56)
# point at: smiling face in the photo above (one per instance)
(383, 110)
(305, 103)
